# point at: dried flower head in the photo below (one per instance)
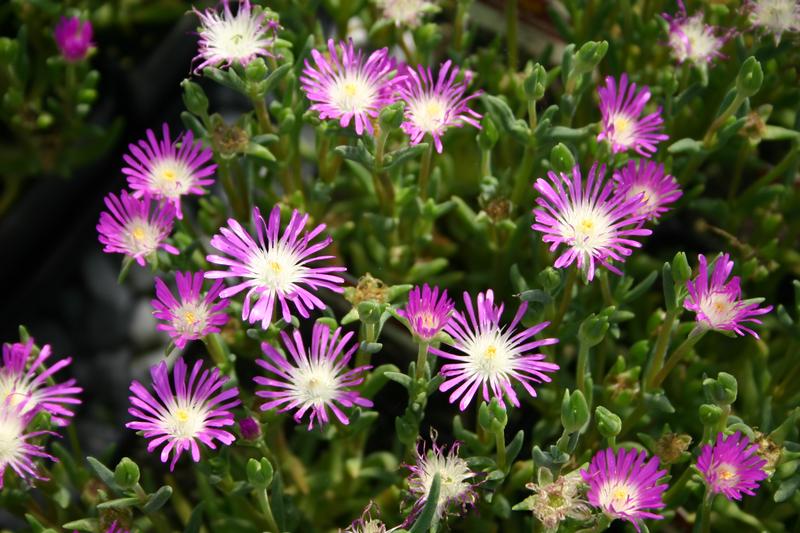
(406, 13)
(366, 523)
(670, 447)
(554, 502)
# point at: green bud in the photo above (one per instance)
(370, 311)
(750, 77)
(484, 416)
(593, 330)
(710, 414)
(194, 98)
(488, 134)
(561, 158)
(286, 120)
(608, 424)
(256, 70)
(259, 473)
(721, 391)
(638, 352)
(498, 412)
(550, 279)
(681, 271)
(44, 120)
(392, 116)
(126, 474)
(87, 96)
(771, 223)
(535, 82)
(574, 411)
(589, 56)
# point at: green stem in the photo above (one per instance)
(705, 512)
(384, 188)
(605, 288)
(777, 171)
(230, 189)
(264, 122)
(363, 358)
(730, 110)
(662, 343)
(532, 117)
(425, 172)
(458, 26)
(684, 348)
(266, 509)
(671, 495)
(217, 351)
(566, 298)
(583, 359)
(521, 183)
(500, 443)
(422, 360)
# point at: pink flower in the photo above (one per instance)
(731, 466)
(623, 126)
(74, 38)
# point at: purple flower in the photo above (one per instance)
(621, 107)
(648, 180)
(718, 302)
(132, 227)
(24, 381)
(491, 355)
(427, 311)
(596, 226)
(276, 269)
(435, 104)
(226, 38)
(15, 450)
(115, 527)
(315, 380)
(344, 86)
(731, 467)
(195, 411)
(625, 485)
(73, 38)
(692, 39)
(164, 171)
(775, 16)
(194, 316)
(456, 480)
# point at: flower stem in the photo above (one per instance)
(500, 443)
(605, 288)
(662, 343)
(730, 110)
(425, 172)
(566, 298)
(580, 376)
(264, 122)
(422, 360)
(684, 348)
(266, 509)
(705, 512)
(384, 189)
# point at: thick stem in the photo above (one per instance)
(266, 510)
(566, 298)
(264, 122)
(425, 172)
(705, 512)
(384, 188)
(521, 183)
(676, 489)
(730, 110)
(422, 360)
(662, 343)
(580, 376)
(685, 347)
(500, 443)
(363, 358)
(605, 289)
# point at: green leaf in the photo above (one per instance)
(275, 77)
(105, 475)
(392, 159)
(195, 519)
(84, 524)
(426, 518)
(399, 377)
(686, 146)
(119, 503)
(505, 119)
(158, 499)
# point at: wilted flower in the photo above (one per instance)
(731, 466)
(552, 503)
(717, 301)
(427, 311)
(492, 356)
(625, 485)
(775, 16)
(164, 171)
(621, 107)
(226, 38)
(275, 268)
(596, 226)
(670, 447)
(769, 450)
(73, 37)
(367, 524)
(315, 380)
(435, 104)
(132, 227)
(344, 86)
(195, 411)
(406, 12)
(15, 450)
(24, 382)
(193, 315)
(692, 39)
(647, 179)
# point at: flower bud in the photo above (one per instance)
(589, 56)
(574, 411)
(249, 428)
(194, 98)
(126, 474)
(392, 116)
(561, 158)
(710, 414)
(721, 391)
(608, 424)
(534, 83)
(593, 330)
(256, 70)
(488, 134)
(259, 473)
(750, 77)
(681, 271)
(498, 412)
(550, 279)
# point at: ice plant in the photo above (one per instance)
(596, 226)
(275, 269)
(775, 16)
(692, 40)
(16, 452)
(226, 38)
(621, 107)
(427, 311)
(406, 13)
(647, 179)
(195, 410)
(131, 226)
(193, 315)
(345, 86)
(366, 523)
(717, 301)
(490, 356)
(73, 37)
(731, 466)
(457, 480)
(436, 103)
(166, 171)
(24, 382)
(552, 503)
(625, 485)
(312, 381)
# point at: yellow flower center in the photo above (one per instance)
(182, 415)
(586, 225)
(190, 317)
(275, 266)
(621, 125)
(169, 175)
(726, 475)
(138, 233)
(491, 351)
(350, 89)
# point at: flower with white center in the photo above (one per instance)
(275, 269)
(427, 311)
(775, 16)
(16, 452)
(195, 411)
(621, 107)
(226, 38)
(132, 227)
(366, 523)
(315, 380)
(596, 226)
(406, 13)
(692, 40)
(344, 85)
(166, 172)
(24, 381)
(647, 179)
(731, 466)
(491, 356)
(718, 301)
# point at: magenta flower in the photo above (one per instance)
(164, 171)
(226, 38)
(731, 467)
(648, 180)
(775, 16)
(24, 381)
(315, 380)
(427, 311)
(73, 37)
(434, 106)
(344, 86)
(621, 107)
(193, 316)
(15, 450)
(249, 428)
(132, 227)
(625, 485)
(718, 302)
(692, 40)
(366, 523)
(596, 226)
(195, 411)
(456, 480)
(276, 269)
(492, 356)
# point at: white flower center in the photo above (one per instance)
(428, 113)
(277, 268)
(403, 11)
(171, 177)
(617, 496)
(453, 475)
(15, 390)
(141, 237)
(718, 308)
(190, 318)
(239, 37)
(11, 441)
(185, 421)
(697, 43)
(586, 227)
(352, 94)
(490, 355)
(776, 15)
(623, 130)
(727, 475)
(316, 383)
